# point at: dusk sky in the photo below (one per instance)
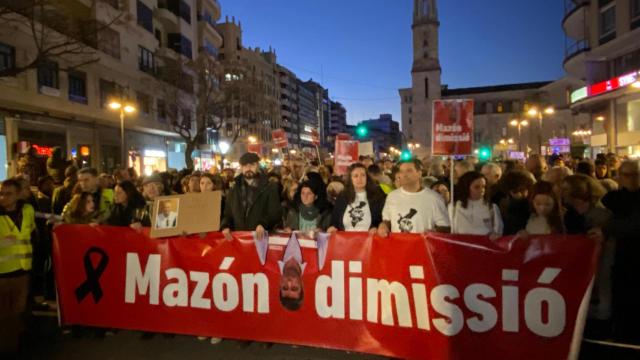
(362, 52)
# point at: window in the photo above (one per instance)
(146, 61)
(108, 91)
(162, 110)
(626, 63)
(607, 23)
(7, 57)
(180, 44)
(500, 107)
(185, 12)
(144, 102)
(209, 48)
(78, 87)
(48, 75)
(635, 13)
(426, 87)
(145, 17)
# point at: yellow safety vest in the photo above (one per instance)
(16, 254)
(106, 200)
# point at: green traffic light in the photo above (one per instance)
(406, 155)
(484, 153)
(362, 131)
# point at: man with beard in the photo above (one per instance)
(253, 203)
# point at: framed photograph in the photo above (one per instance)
(186, 214)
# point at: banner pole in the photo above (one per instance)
(319, 158)
(452, 165)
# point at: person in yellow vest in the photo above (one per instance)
(103, 198)
(17, 222)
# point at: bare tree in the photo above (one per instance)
(58, 30)
(220, 96)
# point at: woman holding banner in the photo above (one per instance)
(473, 213)
(359, 206)
(81, 210)
(310, 211)
(127, 201)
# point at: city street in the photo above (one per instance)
(48, 342)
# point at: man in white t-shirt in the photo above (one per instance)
(412, 208)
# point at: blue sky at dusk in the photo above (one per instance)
(362, 52)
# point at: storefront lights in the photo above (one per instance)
(224, 147)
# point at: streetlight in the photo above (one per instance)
(252, 139)
(537, 113)
(124, 108)
(519, 124)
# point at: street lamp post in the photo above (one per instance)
(124, 108)
(535, 112)
(519, 124)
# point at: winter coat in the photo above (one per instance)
(265, 208)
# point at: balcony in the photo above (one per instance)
(575, 57)
(166, 17)
(574, 21)
(213, 5)
(206, 28)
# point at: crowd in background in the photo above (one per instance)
(543, 195)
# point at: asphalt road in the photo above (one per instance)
(46, 341)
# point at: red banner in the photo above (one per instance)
(279, 138)
(452, 127)
(410, 296)
(346, 154)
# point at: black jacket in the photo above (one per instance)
(121, 215)
(375, 205)
(265, 208)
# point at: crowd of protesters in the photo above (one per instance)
(540, 196)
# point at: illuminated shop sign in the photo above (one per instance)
(605, 86)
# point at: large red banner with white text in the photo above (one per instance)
(410, 295)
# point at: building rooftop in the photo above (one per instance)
(493, 88)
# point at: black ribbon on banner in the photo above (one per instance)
(92, 282)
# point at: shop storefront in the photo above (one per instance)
(148, 161)
(614, 106)
(175, 155)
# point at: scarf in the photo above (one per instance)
(308, 213)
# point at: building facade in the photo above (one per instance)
(384, 132)
(603, 49)
(496, 107)
(48, 107)
(264, 68)
(338, 121)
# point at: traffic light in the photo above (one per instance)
(406, 155)
(484, 153)
(362, 130)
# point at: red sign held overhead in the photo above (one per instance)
(452, 132)
(255, 148)
(279, 138)
(346, 154)
(343, 136)
(315, 137)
